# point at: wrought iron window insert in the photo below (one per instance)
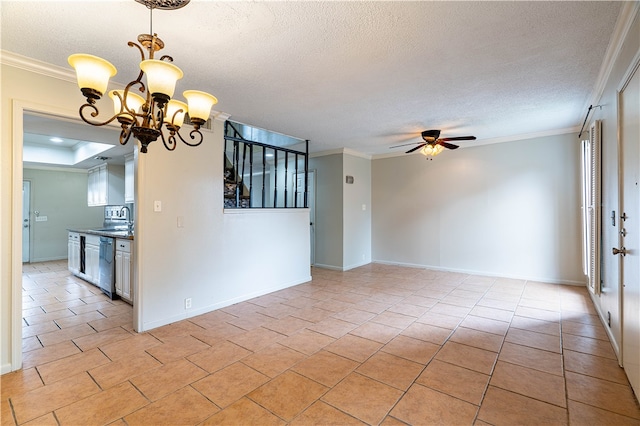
(240, 163)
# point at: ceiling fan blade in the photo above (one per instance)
(416, 148)
(447, 145)
(460, 138)
(404, 144)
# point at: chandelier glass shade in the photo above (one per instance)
(143, 115)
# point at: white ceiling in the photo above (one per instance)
(364, 75)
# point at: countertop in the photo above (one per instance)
(114, 233)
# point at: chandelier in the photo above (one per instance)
(144, 116)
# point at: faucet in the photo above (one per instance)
(128, 216)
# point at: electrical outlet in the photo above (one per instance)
(187, 303)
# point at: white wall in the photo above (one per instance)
(357, 220)
(214, 259)
(61, 195)
(509, 209)
(609, 299)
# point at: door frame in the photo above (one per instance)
(29, 184)
(624, 82)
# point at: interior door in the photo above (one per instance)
(629, 125)
(311, 204)
(26, 220)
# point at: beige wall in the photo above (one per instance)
(509, 209)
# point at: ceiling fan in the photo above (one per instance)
(433, 144)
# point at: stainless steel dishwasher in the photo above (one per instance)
(107, 267)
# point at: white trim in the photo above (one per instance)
(625, 20)
(33, 65)
(607, 329)
(484, 273)
(53, 169)
(347, 151)
(265, 210)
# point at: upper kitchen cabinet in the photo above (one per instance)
(129, 178)
(105, 185)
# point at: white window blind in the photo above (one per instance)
(591, 205)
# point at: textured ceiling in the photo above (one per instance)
(361, 75)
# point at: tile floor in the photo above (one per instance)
(376, 345)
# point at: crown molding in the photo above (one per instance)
(33, 65)
(625, 20)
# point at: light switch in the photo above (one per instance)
(157, 206)
(364, 207)
(180, 221)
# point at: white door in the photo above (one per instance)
(26, 220)
(311, 204)
(629, 121)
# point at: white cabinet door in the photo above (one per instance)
(123, 270)
(118, 277)
(126, 276)
(92, 265)
(74, 253)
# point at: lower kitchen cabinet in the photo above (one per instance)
(74, 252)
(123, 270)
(92, 258)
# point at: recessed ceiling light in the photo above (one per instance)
(56, 139)
(269, 155)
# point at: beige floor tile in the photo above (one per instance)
(532, 339)
(412, 349)
(211, 319)
(587, 415)
(585, 330)
(43, 400)
(469, 357)
(377, 332)
(256, 339)
(540, 314)
(456, 381)
(363, 398)
(354, 316)
(393, 319)
(424, 406)
(549, 362)
(536, 325)
(321, 413)
(391, 370)
(33, 330)
(415, 311)
(288, 394)
(603, 394)
(273, 359)
(312, 314)
(244, 412)
(306, 341)
(46, 420)
(464, 302)
(373, 306)
(70, 333)
(427, 332)
(177, 347)
(111, 311)
(30, 344)
(81, 319)
(50, 316)
(479, 339)
(392, 421)
(354, 347)
(588, 346)
(485, 324)
(490, 302)
(451, 310)
(325, 367)
(280, 310)
(529, 382)
(123, 320)
(126, 348)
(123, 369)
(19, 382)
(440, 320)
(168, 378)
(219, 356)
(104, 407)
(332, 327)
(501, 407)
(48, 354)
(594, 366)
(288, 325)
(492, 313)
(216, 334)
(84, 308)
(71, 365)
(102, 338)
(228, 385)
(186, 406)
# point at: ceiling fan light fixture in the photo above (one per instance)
(431, 150)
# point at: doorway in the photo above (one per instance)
(26, 221)
(629, 238)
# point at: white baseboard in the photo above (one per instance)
(6, 368)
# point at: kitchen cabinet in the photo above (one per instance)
(92, 258)
(124, 270)
(129, 178)
(74, 252)
(105, 185)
